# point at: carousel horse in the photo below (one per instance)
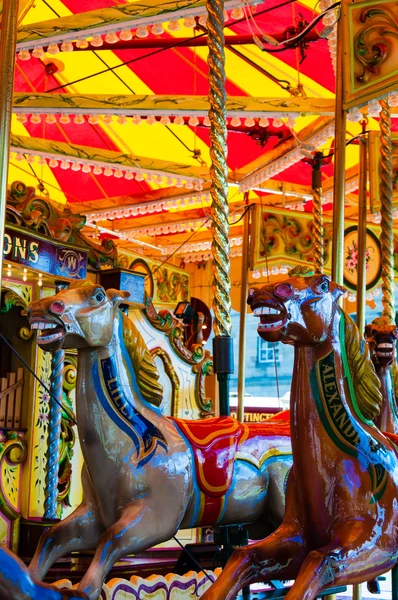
(17, 584)
(382, 336)
(146, 475)
(340, 524)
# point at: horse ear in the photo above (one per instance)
(116, 297)
(336, 290)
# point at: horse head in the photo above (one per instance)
(298, 310)
(80, 316)
(382, 337)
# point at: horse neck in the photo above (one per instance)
(321, 396)
(387, 420)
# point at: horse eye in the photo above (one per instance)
(99, 296)
(323, 287)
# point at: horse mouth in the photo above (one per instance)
(48, 331)
(385, 350)
(272, 317)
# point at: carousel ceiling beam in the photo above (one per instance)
(285, 154)
(114, 163)
(110, 20)
(131, 104)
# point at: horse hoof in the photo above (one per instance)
(373, 586)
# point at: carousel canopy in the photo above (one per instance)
(110, 113)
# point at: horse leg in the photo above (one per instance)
(80, 531)
(279, 556)
(140, 526)
(336, 564)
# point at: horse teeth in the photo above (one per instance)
(385, 345)
(41, 325)
(266, 310)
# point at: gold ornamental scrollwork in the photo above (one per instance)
(172, 375)
(13, 452)
(198, 357)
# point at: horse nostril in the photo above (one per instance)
(284, 291)
(57, 307)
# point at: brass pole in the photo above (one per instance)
(222, 342)
(243, 316)
(317, 212)
(339, 166)
(8, 42)
(361, 268)
(386, 236)
(357, 592)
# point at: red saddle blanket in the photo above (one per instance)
(215, 443)
(394, 439)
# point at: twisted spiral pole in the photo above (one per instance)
(317, 229)
(218, 171)
(386, 237)
(54, 435)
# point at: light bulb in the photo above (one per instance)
(291, 122)
(129, 175)
(24, 55)
(277, 122)
(25, 277)
(50, 119)
(136, 120)
(149, 178)
(41, 161)
(118, 173)
(256, 274)
(157, 29)
(193, 121)
(86, 168)
(52, 48)
(35, 119)
(249, 122)
(173, 25)
(64, 165)
(235, 122)
(111, 37)
(189, 185)
(38, 52)
(142, 31)
(96, 41)
(139, 177)
(150, 120)
(67, 46)
(237, 13)
(190, 22)
(21, 118)
(178, 120)
(203, 20)
(76, 166)
(93, 119)
(206, 121)
(165, 120)
(122, 119)
(19, 157)
(53, 163)
(108, 172)
(30, 158)
(40, 281)
(107, 119)
(179, 183)
(64, 119)
(82, 43)
(97, 170)
(78, 120)
(263, 122)
(125, 35)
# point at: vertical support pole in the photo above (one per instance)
(243, 316)
(8, 42)
(222, 342)
(394, 583)
(387, 236)
(339, 167)
(54, 435)
(317, 212)
(361, 269)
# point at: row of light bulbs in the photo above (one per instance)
(138, 210)
(112, 36)
(330, 21)
(199, 246)
(118, 172)
(376, 217)
(24, 275)
(181, 227)
(286, 161)
(351, 297)
(150, 119)
(274, 270)
(202, 257)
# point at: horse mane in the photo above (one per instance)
(366, 383)
(144, 366)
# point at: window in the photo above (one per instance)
(265, 351)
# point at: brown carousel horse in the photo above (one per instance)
(146, 475)
(382, 336)
(340, 525)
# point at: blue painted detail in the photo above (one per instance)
(49, 541)
(119, 408)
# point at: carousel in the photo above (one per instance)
(196, 197)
